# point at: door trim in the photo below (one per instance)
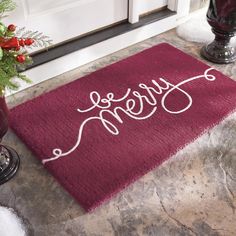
(182, 7)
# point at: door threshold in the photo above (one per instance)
(94, 38)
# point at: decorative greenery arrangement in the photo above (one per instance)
(13, 44)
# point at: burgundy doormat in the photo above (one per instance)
(98, 134)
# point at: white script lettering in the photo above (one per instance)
(133, 103)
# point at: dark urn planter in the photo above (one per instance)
(221, 16)
(9, 159)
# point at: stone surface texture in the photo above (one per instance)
(194, 193)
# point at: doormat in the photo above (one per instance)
(102, 132)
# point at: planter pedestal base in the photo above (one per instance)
(220, 51)
(9, 163)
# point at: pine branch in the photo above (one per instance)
(14, 59)
(24, 78)
(26, 34)
(5, 81)
(19, 31)
(6, 6)
(40, 40)
(9, 70)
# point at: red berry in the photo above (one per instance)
(29, 41)
(17, 48)
(22, 42)
(11, 27)
(20, 58)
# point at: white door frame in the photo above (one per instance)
(182, 7)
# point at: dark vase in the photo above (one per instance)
(221, 16)
(9, 159)
(3, 117)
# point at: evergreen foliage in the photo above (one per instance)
(13, 54)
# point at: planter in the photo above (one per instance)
(9, 159)
(3, 117)
(221, 16)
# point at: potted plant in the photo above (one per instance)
(221, 16)
(14, 58)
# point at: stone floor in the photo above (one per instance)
(192, 194)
